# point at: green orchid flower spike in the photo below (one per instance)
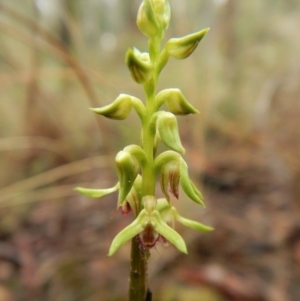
(139, 167)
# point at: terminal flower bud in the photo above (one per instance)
(121, 107)
(146, 19)
(162, 12)
(139, 65)
(175, 101)
(181, 48)
(167, 131)
(128, 168)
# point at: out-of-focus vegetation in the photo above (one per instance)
(58, 58)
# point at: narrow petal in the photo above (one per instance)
(128, 233)
(168, 233)
(193, 224)
(97, 193)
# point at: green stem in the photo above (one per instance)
(138, 272)
(139, 257)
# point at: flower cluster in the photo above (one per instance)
(139, 166)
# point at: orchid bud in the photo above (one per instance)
(128, 168)
(181, 48)
(121, 107)
(175, 101)
(167, 131)
(139, 65)
(162, 12)
(146, 19)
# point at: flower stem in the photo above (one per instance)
(138, 290)
(138, 272)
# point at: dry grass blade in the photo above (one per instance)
(56, 47)
(52, 176)
(56, 192)
(57, 44)
(12, 143)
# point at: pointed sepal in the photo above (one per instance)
(137, 152)
(175, 101)
(187, 185)
(97, 193)
(121, 107)
(193, 224)
(167, 131)
(128, 168)
(181, 48)
(168, 233)
(128, 233)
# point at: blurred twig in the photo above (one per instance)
(57, 44)
(55, 192)
(11, 143)
(52, 176)
(58, 48)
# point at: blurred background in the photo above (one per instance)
(60, 57)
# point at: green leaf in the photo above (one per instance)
(96, 193)
(168, 233)
(128, 233)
